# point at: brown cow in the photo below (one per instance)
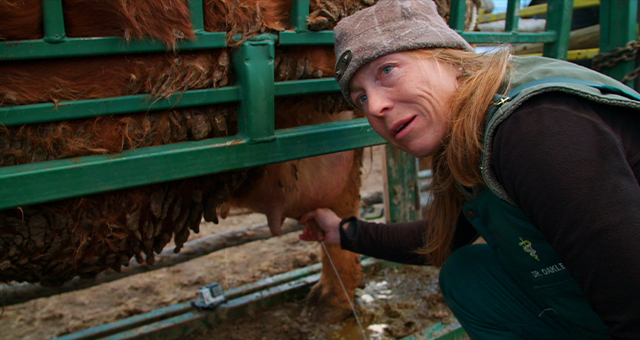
(53, 242)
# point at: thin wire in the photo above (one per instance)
(364, 335)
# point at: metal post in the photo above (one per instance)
(513, 16)
(299, 15)
(53, 21)
(457, 14)
(253, 64)
(197, 16)
(402, 195)
(559, 16)
(617, 28)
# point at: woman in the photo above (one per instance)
(549, 178)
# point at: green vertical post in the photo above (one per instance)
(197, 16)
(617, 28)
(253, 64)
(402, 201)
(457, 14)
(513, 16)
(559, 14)
(53, 21)
(299, 15)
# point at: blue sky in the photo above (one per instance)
(501, 5)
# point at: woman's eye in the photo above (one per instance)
(387, 69)
(361, 99)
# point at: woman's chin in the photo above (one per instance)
(413, 152)
(422, 152)
(417, 148)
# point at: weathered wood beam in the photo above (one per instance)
(584, 38)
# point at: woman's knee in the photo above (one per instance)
(465, 265)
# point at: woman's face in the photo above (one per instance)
(405, 100)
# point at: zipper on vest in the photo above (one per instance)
(499, 100)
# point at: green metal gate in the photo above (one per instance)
(257, 142)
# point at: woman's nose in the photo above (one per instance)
(378, 104)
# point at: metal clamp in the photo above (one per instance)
(209, 297)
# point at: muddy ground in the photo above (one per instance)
(392, 303)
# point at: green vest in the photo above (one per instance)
(520, 247)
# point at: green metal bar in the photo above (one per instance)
(173, 328)
(197, 16)
(48, 112)
(53, 21)
(33, 183)
(617, 28)
(606, 24)
(308, 274)
(402, 186)
(511, 37)
(101, 331)
(299, 15)
(457, 14)
(167, 312)
(309, 38)
(513, 16)
(79, 47)
(253, 63)
(449, 329)
(181, 325)
(297, 87)
(559, 21)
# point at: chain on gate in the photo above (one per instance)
(616, 56)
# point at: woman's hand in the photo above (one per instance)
(322, 225)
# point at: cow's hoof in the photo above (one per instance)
(326, 314)
(326, 306)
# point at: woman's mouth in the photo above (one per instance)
(402, 125)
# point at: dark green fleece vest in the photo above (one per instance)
(519, 245)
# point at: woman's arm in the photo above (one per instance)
(398, 242)
(569, 165)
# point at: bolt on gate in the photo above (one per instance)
(257, 141)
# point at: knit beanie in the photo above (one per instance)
(389, 26)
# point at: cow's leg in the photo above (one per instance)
(327, 301)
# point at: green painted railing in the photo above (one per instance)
(617, 27)
(253, 63)
(255, 92)
(257, 142)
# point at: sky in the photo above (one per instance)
(500, 6)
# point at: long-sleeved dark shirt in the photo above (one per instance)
(573, 167)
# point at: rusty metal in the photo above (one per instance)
(607, 60)
(616, 56)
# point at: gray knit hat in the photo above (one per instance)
(387, 27)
